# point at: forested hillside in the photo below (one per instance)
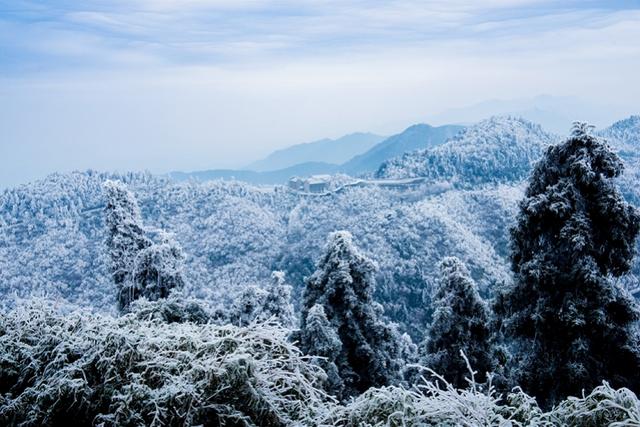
(235, 235)
(417, 303)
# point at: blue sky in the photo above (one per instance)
(194, 84)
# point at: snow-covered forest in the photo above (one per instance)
(502, 290)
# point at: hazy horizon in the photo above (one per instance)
(191, 85)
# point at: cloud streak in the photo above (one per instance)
(221, 32)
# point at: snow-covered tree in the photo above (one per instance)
(140, 267)
(125, 235)
(277, 301)
(158, 270)
(255, 303)
(320, 338)
(247, 306)
(461, 322)
(344, 284)
(572, 325)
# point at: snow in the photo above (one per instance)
(249, 259)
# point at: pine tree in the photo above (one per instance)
(343, 284)
(277, 301)
(158, 269)
(572, 325)
(125, 236)
(461, 322)
(319, 338)
(140, 267)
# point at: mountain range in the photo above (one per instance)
(235, 234)
(333, 151)
(368, 150)
(420, 136)
(498, 149)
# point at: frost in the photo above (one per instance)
(130, 371)
(139, 370)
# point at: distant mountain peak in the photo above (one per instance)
(335, 151)
(630, 122)
(501, 148)
(414, 137)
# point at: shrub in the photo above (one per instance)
(95, 369)
(87, 369)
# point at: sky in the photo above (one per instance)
(165, 85)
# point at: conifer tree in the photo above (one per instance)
(572, 326)
(140, 267)
(344, 284)
(125, 236)
(158, 269)
(277, 301)
(319, 338)
(460, 322)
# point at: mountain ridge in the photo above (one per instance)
(326, 150)
(415, 136)
(501, 148)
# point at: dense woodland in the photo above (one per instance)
(490, 295)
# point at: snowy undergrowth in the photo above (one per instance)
(430, 405)
(97, 369)
(140, 370)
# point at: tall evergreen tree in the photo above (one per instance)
(343, 285)
(125, 235)
(573, 327)
(320, 338)
(140, 267)
(158, 270)
(461, 322)
(277, 301)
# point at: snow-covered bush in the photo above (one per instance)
(247, 306)
(134, 370)
(604, 406)
(95, 369)
(440, 404)
(175, 309)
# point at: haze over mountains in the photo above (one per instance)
(362, 153)
(367, 151)
(335, 151)
(553, 113)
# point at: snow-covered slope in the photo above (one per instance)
(500, 149)
(415, 137)
(624, 136)
(235, 234)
